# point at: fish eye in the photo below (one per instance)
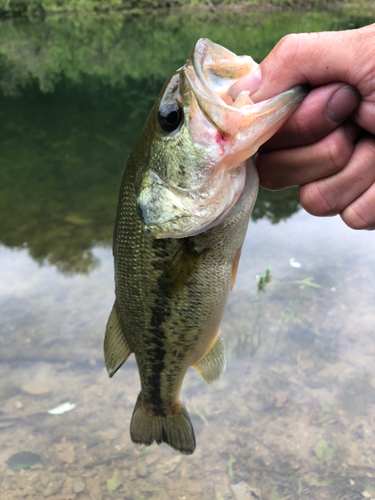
(170, 116)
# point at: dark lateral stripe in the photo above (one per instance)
(159, 312)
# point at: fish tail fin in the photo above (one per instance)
(175, 430)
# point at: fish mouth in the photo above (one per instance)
(229, 131)
(211, 72)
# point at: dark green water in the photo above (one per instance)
(294, 415)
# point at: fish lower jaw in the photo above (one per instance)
(167, 214)
(165, 220)
(171, 229)
(162, 213)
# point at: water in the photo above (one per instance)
(293, 416)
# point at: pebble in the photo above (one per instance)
(78, 486)
(142, 470)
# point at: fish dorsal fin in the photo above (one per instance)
(116, 347)
(212, 365)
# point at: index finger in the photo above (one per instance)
(318, 59)
(322, 111)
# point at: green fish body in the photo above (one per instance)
(185, 202)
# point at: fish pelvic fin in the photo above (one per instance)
(212, 365)
(116, 347)
(175, 430)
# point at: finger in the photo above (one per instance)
(361, 213)
(312, 58)
(319, 114)
(347, 192)
(317, 59)
(297, 166)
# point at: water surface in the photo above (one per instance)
(294, 414)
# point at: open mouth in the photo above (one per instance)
(211, 72)
(224, 134)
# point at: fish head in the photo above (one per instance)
(199, 139)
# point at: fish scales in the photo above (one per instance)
(164, 329)
(185, 201)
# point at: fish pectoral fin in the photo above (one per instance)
(182, 267)
(116, 347)
(212, 365)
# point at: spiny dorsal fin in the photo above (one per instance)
(212, 365)
(116, 348)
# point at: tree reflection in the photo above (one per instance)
(75, 95)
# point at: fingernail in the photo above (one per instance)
(342, 103)
(255, 81)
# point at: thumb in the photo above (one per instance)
(306, 58)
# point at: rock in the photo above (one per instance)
(52, 488)
(171, 464)
(42, 382)
(66, 452)
(242, 491)
(141, 470)
(78, 486)
(194, 488)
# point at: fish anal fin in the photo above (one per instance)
(212, 365)
(116, 347)
(176, 430)
(236, 261)
(182, 267)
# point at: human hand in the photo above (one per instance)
(327, 147)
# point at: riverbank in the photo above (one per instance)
(41, 8)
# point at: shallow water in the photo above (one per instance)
(294, 414)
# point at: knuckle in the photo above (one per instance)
(353, 221)
(288, 41)
(356, 217)
(287, 48)
(317, 199)
(292, 48)
(337, 152)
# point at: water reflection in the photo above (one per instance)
(46, 316)
(76, 93)
(59, 189)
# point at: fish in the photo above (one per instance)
(185, 200)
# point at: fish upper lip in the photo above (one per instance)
(226, 118)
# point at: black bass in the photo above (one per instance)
(185, 202)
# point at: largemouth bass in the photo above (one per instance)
(185, 202)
